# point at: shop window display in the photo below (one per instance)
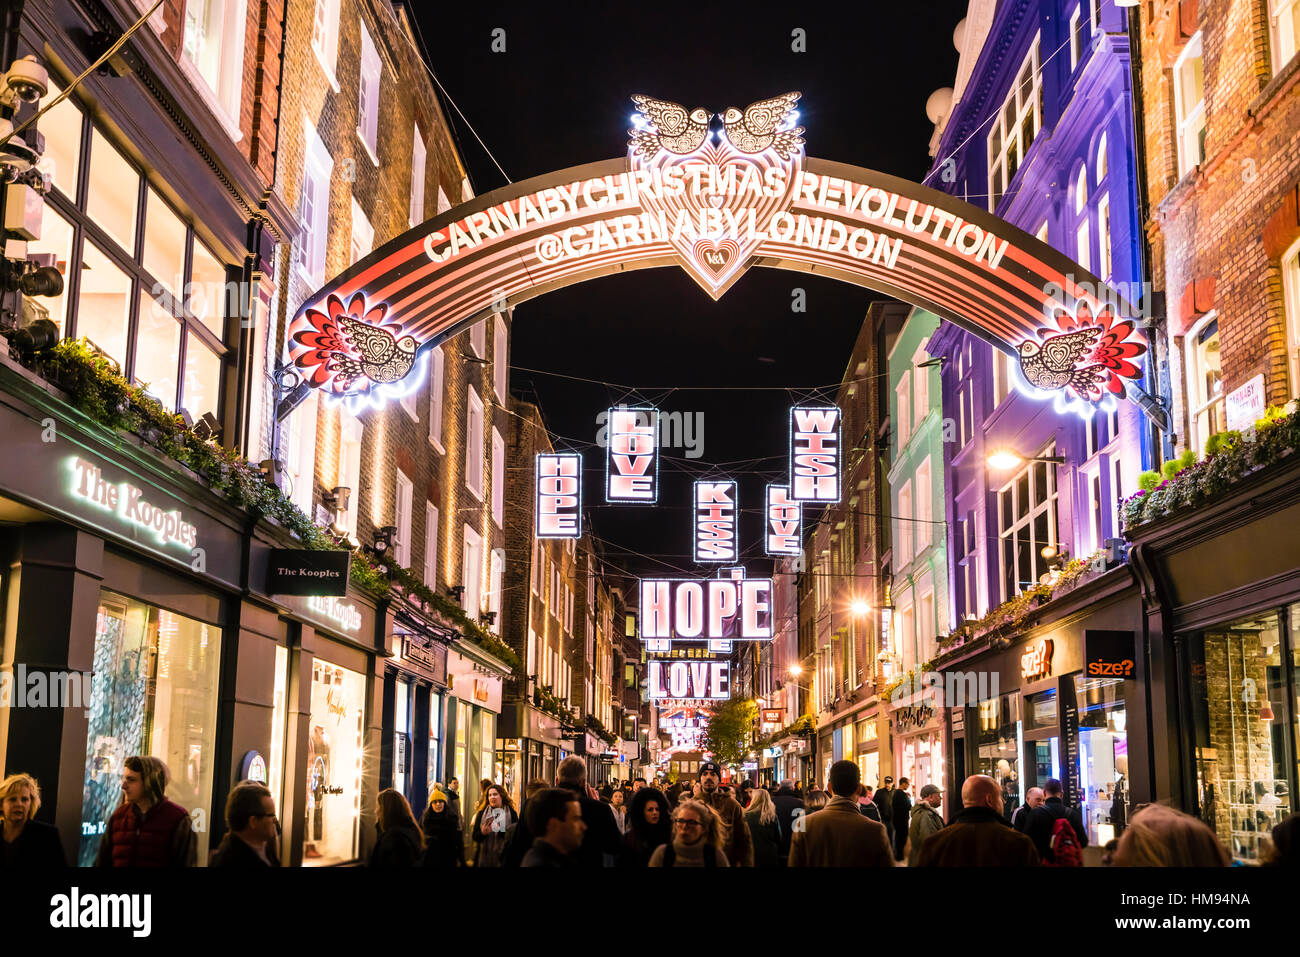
(1103, 757)
(999, 747)
(1237, 681)
(334, 765)
(154, 693)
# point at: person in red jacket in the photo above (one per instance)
(147, 830)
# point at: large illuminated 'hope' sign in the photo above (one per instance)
(715, 609)
(559, 495)
(716, 209)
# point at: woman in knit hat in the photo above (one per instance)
(444, 843)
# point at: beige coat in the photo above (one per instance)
(839, 836)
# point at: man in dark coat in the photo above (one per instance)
(787, 802)
(1037, 823)
(884, 801)
(602, 844)
(979, 836)
(838, 835)
(556, 815)
(252, 829)
(900, 814)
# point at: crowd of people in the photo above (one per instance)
(705, 823)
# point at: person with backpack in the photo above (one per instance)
(1057, 831)
(697, 838)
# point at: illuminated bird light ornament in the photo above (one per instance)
(717, 193)
(355, 351)
(1081, 360)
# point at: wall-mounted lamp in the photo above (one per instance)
(337, 498)
(456, 591)
(384, 539)
(1003, 459)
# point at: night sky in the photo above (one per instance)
(559, 97)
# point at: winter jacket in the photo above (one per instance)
(787, 802)
(900, 814)
(736, 843)
(641, 838)
(444, 844)
(978, 837)
(688, 855)
(925, 821)
(602, 845)
(545, 854)
(884, 801)
(38, 848)
(398, 846)
(870, 810)
(162, 838)
(235, 852)
(766, 839)
(840, 836)
(489, 848)
(1037, 824)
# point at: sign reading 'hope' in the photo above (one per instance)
(715, 521)
(715, 609)
(559, 495)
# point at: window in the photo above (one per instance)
(1015, 126)
(1291, 306)
(1205, 382)
(1284, 24)
(444, 204)
(925, 624)
(903, 415)
(1041, 235)
(922, 386)
(1078, 37)
(495, 577)
(538, 559)
(350, 469)
(478, 339)
(313, 207)
(213, 46)
(967, 564)
(402, 519)
(1001, 376)
(132, 307)
(1104, 265)
(1189, 106)
(905, 525)
(500, 360)
(498, 479)
(474, 444)
(436, 386)
(531, 659)
(300, 458)
(368, 96)
(924, 508)
(155, 693)
(1081, 245)
(1026, 523)
(431, 545)
(1103, 159)
(905, 636)
(325, 37)
(1092, 488)
(419, 155)
(471, 571)
(363, 234)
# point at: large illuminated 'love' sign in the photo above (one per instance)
(632, 463)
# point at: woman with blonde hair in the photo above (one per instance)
(765, 828)
(1159, 836)
(400, 842)
(697, 838)
(27, 842)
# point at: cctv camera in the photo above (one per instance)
(27, 80)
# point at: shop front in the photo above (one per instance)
(853, 737)
(472, 709)
(918, 742)
(415, 685)
(1050, 702)
(529, 752)
(1222, 584)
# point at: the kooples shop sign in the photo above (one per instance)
(713, 609)
(559, 495)
(306, 571)
(689, 679)
(715, 521)
(129, 504)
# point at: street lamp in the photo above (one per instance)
(795, 670)
(859, 607)
(1004, 459)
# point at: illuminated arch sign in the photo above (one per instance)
(716, 202)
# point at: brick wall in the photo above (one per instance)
(1218, 234)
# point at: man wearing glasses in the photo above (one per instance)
(252, 829)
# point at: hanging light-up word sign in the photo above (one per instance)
(559, 495)
(784, 520)
(632, 462)
(814, 454)
(715, 609)
(715, 521)
(128, 503)
(685, 727)
(689, 679)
